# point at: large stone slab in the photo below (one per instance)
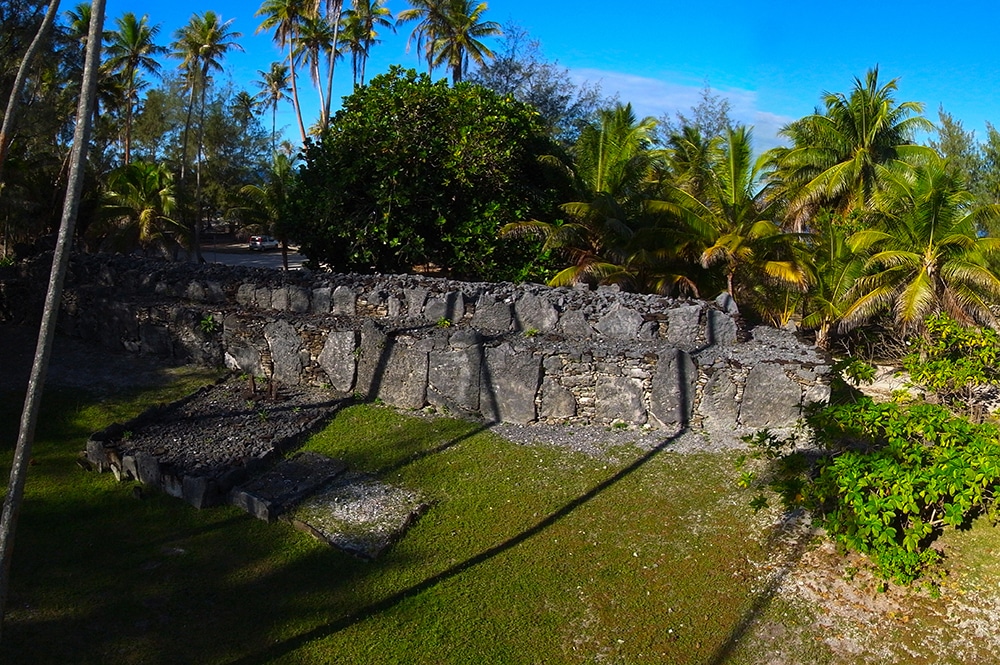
(269, 495)
(285, 347)
(535, 313)
(358, 514)
(770, 398)
(718, 402)
(453, 375)
(672, 393)
(339, 359)
(619, 398)
(509, 385)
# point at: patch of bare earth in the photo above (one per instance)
(829, 602)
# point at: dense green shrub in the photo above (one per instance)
(953, 361)
(413, 172)
(886, 479)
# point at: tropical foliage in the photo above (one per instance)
(415, 172)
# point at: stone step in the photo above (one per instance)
(272, 493)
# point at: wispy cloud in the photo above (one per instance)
(659, 97)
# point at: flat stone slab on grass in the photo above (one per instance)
(291, 480)
(358, 514)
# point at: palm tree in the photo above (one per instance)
(836, 268)
(360, 32)
(136, 208)
(7, 128)
(201, 45)
(333, 14)
(835, 155)
(130, 50)
(612, 161)
(736, 221)
(430, 16)
(925, 253)
(274, 89)
(458, 39)
(315, 40)
(285, 17)
(266, 203)
(14, 496)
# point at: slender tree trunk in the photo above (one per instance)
(128, 128)
(295, 92)
(7, 129)
(274, 129)
(336, 8)
(29, 416)
(197, 177)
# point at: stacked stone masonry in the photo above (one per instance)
(503, 352)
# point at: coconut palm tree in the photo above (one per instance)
(201, 45)
(360, 32)
(7, 128)
(612, 161)
(925, 251)
(835, 155)
(131, 49)
(458, 38)
(313, 44)
(333, 12)
(737, 220)
(285, 17)
(430, 16)
(14, 495)
(136, 208)
(274, 87)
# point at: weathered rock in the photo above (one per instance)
(619, 398)
(345, 302)
(720, 328)
(453, 375)
(684, 327)
(672, 393)
(770, 398)
(444, 307)
(298, 299)
(718, 402)
(532, 312)
(574, 324)
(493, 316)
(620, 323)
(556, 402)
(509, 385)
(339, 359)
(322, 300)
(285, 346)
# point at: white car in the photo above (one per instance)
(262, 242)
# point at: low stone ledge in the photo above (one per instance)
(358, 514)
(269, 495)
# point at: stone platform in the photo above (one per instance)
(228, 443)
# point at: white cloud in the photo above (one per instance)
(659, 97)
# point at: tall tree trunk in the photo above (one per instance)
(336, 8)
(29, 416)
(197, 177)
(295, 92)
(7, 129)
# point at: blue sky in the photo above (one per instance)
(772, 60)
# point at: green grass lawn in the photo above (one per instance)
(527, 555)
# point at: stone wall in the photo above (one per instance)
(504, 352)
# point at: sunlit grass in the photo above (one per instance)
(527, 554)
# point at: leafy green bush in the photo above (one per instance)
(953, 361)
(888, 478)
(414, 172)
